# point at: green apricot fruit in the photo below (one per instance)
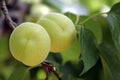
(60, 29)
(30, 43)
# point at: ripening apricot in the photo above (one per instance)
(60, 29)
(29, 43)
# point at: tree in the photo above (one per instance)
(94, 54)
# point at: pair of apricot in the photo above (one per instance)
(30, 42)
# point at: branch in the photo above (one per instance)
(49, 68)
(6, 14)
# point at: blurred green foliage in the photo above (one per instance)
(99, 59)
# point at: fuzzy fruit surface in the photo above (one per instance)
(29, 43)
(60, 29)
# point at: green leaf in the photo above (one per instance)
(20, 73)
(114, 21)
(106, 34)
(73, 17)
(94, 73)
(89, 50)
(93, 26)
(107, 73)
(73, 53)
(110, 61)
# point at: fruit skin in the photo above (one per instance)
(61, 30)
(29, 43)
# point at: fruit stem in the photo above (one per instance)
(6, 14)
(49, 68)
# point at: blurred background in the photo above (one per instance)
(31, 10)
